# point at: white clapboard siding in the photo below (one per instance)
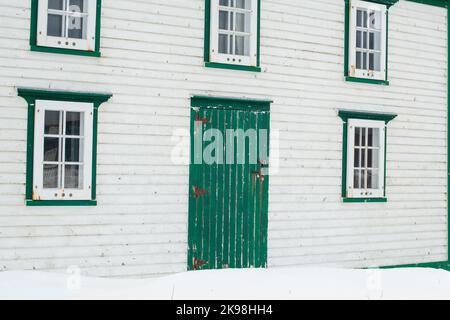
(152, 63)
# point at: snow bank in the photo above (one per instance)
(273, 284)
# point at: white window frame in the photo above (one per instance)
(359, 73)
(39, 193)
(215, 56)
(365, 193)
(87, 44)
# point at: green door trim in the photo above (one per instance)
(230, 103)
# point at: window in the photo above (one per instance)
(63, 150)
(66, 25)
(367, 41)
(233, 34)
(364, 162)
(62, 142)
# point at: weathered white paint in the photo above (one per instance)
(152, 61)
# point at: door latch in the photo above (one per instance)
(261, 173)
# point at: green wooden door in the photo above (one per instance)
(228, 203)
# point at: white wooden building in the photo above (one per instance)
(95, 96)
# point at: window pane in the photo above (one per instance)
(358, 39)
(359, 18)
(76, 28)
(51, 176)
(369, 179)
(363, 136)
(242, 4)
(72, 151)
(370, 137)
(55, 4)
(375, 41)
(357, 158)
(73, 123)
(241, 22)
(231, 26)
(76, 5)
(223, 20)
(51, 149)
(371, 62)
(363, 179)
(358, 60)
(363, 158)
(365, 19)
(376, 179)
(375, 61)
(364, 61)
(223, 43)
(364, 40)
(373, 158)
(72, 177)
(231, 43)
(357, 136)
(223, 3)
(51, 122)
(375, 20)
(242, 46)
(54, 25)
(376, 138)
(372, 179)
(356, 179)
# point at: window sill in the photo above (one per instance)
(232, 67)
(65, 51)
(364, 80)
(61, 203)
(363, 200)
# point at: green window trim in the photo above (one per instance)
(232, 67)
(378, 116)
(364, 200)
(33, 35)
(388, 3)
(207, 46)
(30, 96)
(349, 78)
(345, 115)
(369, 81)
(61, 203)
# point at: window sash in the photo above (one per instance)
(86, 133)
(366, 73)
(353, 192)
(215, 56)
(65, 42)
